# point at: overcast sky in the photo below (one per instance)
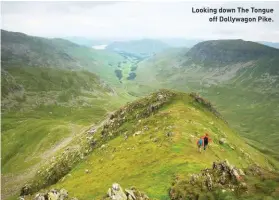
(134, 20)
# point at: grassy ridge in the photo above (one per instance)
(153, 157)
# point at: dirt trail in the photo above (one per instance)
(12, 183)
(75, 131)
(51, 152)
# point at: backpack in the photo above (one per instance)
(205, 140)
(200, 142)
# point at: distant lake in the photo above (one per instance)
(103, 46)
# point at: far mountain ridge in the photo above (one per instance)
(21, 50)
(230, 51)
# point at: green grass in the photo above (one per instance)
(30, 138)
(251, 113)
(24, 144)
(45, 125)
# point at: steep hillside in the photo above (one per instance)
(18, 48)
(34, 86)
(21, 50)
(143, 48)
(147, 143)
(43, 109)
(244, 88)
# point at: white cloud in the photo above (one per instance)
(133, 20)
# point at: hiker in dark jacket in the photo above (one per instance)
(206, 140)
(203, 141)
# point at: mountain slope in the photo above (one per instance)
(18, 48)
(21, 85)
(47, 99)
(142, 48)
(271, 44)
(220, 52)
(21, 50)
(147, 143)
(245, 88)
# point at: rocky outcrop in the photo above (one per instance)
(25, 190)
(206, 104)
(137, 110)
(222, 141)
(117, 193)
(222, 176)
(225, 181)
(92, 131)
(53, 194)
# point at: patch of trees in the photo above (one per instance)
(132, 76)
(118, 73)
